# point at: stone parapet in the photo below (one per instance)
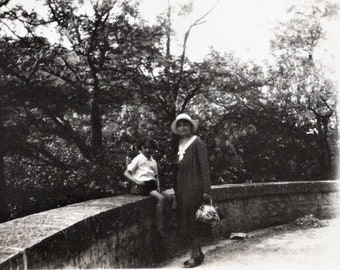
(117, 232)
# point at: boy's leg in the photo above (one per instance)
(159, 208)
(167, 203)
(169, 221)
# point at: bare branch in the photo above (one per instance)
(67, 64)
(4, 3)
(190, 95)
(10, 29)
(186, 36)
(325, 102)
(168, 32)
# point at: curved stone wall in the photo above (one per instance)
(117, 232)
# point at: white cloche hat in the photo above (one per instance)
(184, 116)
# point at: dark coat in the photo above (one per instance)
(193, 179)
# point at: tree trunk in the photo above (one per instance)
(336, 119)
(174, 146)
(4, 214)
(97, 141)
(168, 32)
(96, 123)
(325, 157)
(328, 154)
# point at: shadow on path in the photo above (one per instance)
(280, 247)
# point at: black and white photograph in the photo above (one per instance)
(150, 134)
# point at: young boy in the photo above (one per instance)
(143, 171)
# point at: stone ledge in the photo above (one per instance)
(68, 228)
(234, 191)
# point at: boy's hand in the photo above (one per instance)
(139, 183)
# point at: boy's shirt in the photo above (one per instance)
(142, 168)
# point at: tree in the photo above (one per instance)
(179, 85)
(62, 94)
(168, 88)
(110, 48)
(299, 81)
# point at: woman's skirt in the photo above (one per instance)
(188, 203)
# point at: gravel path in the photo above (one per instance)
(282, 247)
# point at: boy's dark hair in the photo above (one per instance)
(146, 140)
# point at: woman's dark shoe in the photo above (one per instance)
(193, 262)
(186, 262)
(201, 257)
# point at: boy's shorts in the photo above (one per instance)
(144, 189)
(150, 186)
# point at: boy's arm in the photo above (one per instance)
(129, 176)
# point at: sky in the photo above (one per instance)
(244, 27)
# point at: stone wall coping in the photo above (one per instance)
(24, 234)
(21, 235)
(233, 191)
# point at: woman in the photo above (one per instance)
(192, 185)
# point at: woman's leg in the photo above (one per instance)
(159, 208)
(196, 251)
(196, 257)
(196, 247)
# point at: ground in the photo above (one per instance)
(282, 247)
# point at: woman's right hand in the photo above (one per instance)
(206, 198)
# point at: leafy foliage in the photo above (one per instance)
(72, 110)
(300, 83)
